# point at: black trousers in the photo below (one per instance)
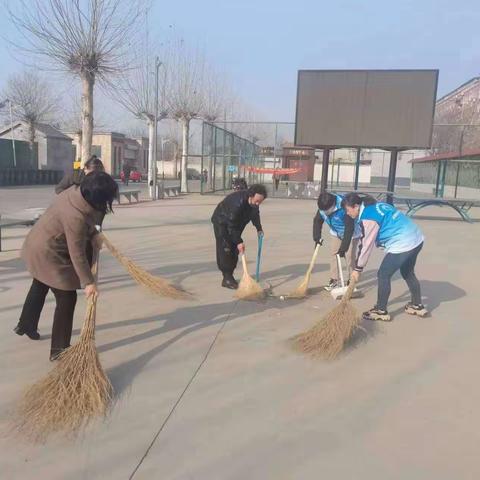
(62, 318)
(405, 262)
(227, 252)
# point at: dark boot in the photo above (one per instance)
(54, 354)
(32, 335)
(229, 282)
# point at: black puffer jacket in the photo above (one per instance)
(234, 213)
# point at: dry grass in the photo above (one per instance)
(328, 337)
(157, 285)
(75, 392)
(302, 290)
(248, 289)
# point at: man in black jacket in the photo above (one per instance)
(229, 219)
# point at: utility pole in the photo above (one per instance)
(153, 166)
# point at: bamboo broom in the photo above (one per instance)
(248, 288)
(75, 392)
(302, 290)
(157, 285)
(328, 337)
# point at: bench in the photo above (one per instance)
(462, 207)
(128, 194)
(10, 222)
(172, 191)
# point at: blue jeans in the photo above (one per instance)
(392, 262)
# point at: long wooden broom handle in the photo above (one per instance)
(244, 263)
(314, 258)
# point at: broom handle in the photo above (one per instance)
(340, 270)
(259, 257)
(244, 263)
(314, 258)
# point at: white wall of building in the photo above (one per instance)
(343, 174)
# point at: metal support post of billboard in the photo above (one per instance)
(202, 178)
(357, 168)
(275, 159)
(325, 160)
(392, 172)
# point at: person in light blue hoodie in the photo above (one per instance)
(343, 230)
(384, 226)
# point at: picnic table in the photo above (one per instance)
(11, 222)
(461, 206)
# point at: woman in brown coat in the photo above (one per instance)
(55, 254)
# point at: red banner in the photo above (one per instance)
(274, 171)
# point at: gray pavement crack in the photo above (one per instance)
(184, 391)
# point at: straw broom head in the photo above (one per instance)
(248, 289)
(302, 290)
(75, 392)
(328, 337)
(156, 285)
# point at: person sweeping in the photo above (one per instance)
(385, 226)
(345, 233)
(229, 219)
(93, 164)
(55, 253)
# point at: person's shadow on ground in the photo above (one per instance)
(189, 319)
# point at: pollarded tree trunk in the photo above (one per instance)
(88, 82)
(31, 145)
(185, 134)
(151, 166)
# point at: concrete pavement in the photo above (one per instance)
(210, 389)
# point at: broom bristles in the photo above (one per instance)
(328, 337)
(157, 285)
(302, 290)
(74, 392)
(248, 289)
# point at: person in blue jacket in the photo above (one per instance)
(384, 226)
(344, 233)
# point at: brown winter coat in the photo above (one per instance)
(55, 249)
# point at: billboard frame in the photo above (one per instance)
(386, 148)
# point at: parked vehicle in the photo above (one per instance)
(135, 175)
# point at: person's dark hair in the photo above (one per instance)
(99, 189)
(94, 163)
(257, 189)
(325, 201)
(351, 199)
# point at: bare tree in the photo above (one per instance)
(32, 102)
(215, 96)
(186, 95)
(136, 92)
(87, 38)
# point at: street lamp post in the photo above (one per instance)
(153, 166)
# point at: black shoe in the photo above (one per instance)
(54, 355)
(33, 335)
(413, 309)
(333, 283)
(375, 314)
(230, 283)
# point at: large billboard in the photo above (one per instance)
(365, 108)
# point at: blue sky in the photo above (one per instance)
(261, 44)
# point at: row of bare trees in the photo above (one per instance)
(97, 41)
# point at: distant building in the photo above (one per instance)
(299, 157)
(460, 106)
(115, 150)
(54, 148)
